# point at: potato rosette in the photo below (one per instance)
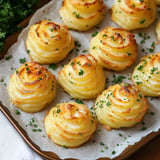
(146, 75)
(114, 48)
(82, 15)
(32, 87)
(70, 124)
(121, 105)
(133, 14)
(48, 42)
(82, 78)
(158, 31)
(157, 2)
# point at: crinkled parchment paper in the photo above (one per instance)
(105, 143)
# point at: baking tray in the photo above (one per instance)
(47, 154)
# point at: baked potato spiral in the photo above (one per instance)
(48, 42)
(82, 15)
(158, 30)
(70, 124)
(157, 2)
(121, 105)
(82, 78)
(114, 48)
(146, 75)
(134, 14)
(32, 87)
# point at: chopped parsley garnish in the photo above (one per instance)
(22, 60)
(79, 101)
(17, 111)
(81, 72)
(142, 21)
(72, 63)
(76, 14)
(94, 34)
(118, 79)
(101, 143)
(143, 128)
(7, 58)
(53, 66)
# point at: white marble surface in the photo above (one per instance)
(12, 146)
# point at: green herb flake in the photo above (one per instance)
(143, 128)
(7, 58)
(17, 112)
(64, 146)
(22, 60)
(80, 72)
(94, 34)
(118, 79)
(58, 110)
(142, 21)
(94, 47)
(1, 80)
(152, 113)
(101, 143)
(129, 54)
(72, 63)
(79, 101)
(28, 51)
(53, 66)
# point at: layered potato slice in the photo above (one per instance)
(82, 15)
(32, 87)
(134, 14)
(146, 75)
(82, 77)
(157, 29)
(114, 48)
(157, 2)
(121, 105)
(70, 124)
(48, 42)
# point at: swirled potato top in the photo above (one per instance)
(158, 30)
(146, 75)
(31, 87)
(82, 15)
(157, 2)
(82, 77)
(114, 48)
(49, 42)
(133, 14)
(121, 105)
(70, 124)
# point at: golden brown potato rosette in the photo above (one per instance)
(32, 87)
(157, 2)
(134, 14)
(158, 31)
(70, 124)
(146, 75)
(82, 15)
(121, 105)
(82, 78)
(49, 42)
(114, 48)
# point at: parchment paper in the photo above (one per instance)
(105, 143)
